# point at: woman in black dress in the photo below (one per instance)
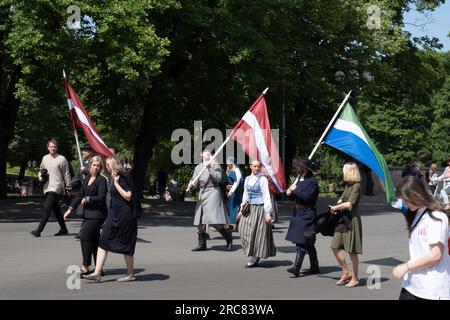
(93, 198)
(119, 232)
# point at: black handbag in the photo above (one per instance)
(325, 223)
(343, 221)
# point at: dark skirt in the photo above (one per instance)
(301, 226)
(234, 205)
(119, 236)
(256, 234)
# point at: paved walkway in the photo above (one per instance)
(35, 268)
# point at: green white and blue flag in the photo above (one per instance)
(349, 136)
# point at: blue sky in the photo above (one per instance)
(436, 24)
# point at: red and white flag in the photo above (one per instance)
(254, 135)
(80, 119)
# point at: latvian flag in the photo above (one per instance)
(254, 135)
(349, 136)
(80, 119)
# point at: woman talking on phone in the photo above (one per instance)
(119, 232)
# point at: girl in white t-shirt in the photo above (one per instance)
(427, 274)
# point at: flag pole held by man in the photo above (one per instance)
(254, 134)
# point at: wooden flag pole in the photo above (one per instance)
(216, 153)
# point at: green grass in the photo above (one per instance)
(28, 173)
(328, 195)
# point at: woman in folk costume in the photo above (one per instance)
(255, 227)
(234, 189)
(210, 209)
(273, 192)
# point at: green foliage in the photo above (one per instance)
(109, 61)
(208, 60)
(441, 124)
(329, 174)
(399, 117)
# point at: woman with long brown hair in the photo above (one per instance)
(427, 274)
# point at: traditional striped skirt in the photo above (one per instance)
(256, 234)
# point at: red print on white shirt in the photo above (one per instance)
(422, 232)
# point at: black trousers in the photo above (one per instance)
(406, 295)
(307, 247)
(51, 203)
(89, 239)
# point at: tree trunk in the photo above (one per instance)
(23, 167)
(9, 107)
(146, 139)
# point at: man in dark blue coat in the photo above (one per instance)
(305, 190)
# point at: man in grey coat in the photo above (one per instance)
(210, 209)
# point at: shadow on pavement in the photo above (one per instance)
(385, 262)
(152, 277)
(286, 249)
(224, 248)
(273, 263)
(362, 281)
(328, 269)
(122, 272)
(109, 272)
(142, 240)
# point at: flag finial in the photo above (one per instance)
(64, 74)
(265, 90)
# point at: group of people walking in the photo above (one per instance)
(111, 208)
(348, 226)
(255, 215)
(426, 275)
(439, 185)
